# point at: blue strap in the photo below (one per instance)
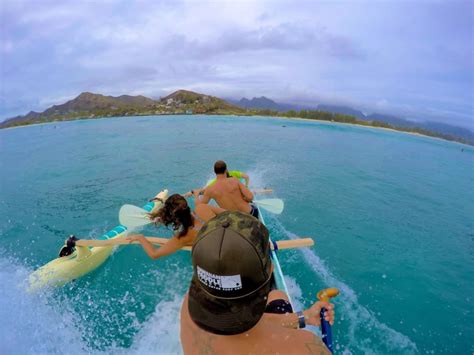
(275, 245)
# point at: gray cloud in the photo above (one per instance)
(404, 58)
(280, 37)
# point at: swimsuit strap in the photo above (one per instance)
(198, 218)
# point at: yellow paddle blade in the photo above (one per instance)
(132, 216)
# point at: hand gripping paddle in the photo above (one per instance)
(326, 295)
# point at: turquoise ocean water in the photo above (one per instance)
(391, 215)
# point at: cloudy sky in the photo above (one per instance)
(409, 58)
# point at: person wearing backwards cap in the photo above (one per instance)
(230, 307)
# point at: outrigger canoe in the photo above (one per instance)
(280, 283)
(84, 259)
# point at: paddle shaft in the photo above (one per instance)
(326, 331)
(116, 241)
(256, 191)
(262, 191)
(282, 244)
(133, 216)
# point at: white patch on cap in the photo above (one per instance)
(219, 282)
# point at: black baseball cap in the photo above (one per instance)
(232, 272)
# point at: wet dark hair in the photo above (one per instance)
(175, 212)
(220, 167)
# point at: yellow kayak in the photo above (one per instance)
(84, 259)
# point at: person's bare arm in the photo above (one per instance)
(191, 193)
(216, 209)
(205, 198)
(171, 246)
(207, 212)
(246, 193)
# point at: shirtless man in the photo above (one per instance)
(229, 193)
(229, 308)
(233, 173)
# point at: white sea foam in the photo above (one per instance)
(160, 333)
(37, 324)
(383, 339)
(257, 180)
(30, 324)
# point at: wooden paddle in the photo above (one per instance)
(132, 216)
(273, 205)
(281, 244)
(256, 191)
(262, 191)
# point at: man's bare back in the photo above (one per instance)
(229, 193)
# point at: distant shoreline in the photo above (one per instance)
(254, 116)
(89, 105)
(44, 123)
(381, 128)
(357, 125)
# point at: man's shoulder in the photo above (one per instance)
(233, 181)
(209, 189)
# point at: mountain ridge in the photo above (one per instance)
(91, 105)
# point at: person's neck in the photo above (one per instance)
(221, 176)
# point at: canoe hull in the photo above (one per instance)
(83, 260)
(60, 271)
(280, 283)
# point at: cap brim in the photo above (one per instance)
(226, 317)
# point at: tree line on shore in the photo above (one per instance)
(341, 118)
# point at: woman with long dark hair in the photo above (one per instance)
(177, 214)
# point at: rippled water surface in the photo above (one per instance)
(391, 215)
